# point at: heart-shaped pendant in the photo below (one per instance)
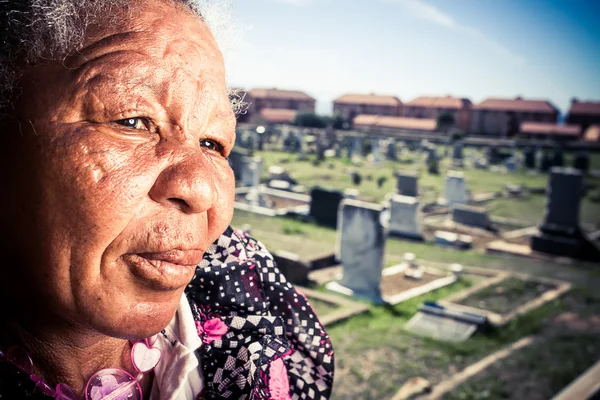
(144, 358)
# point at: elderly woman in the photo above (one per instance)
(120, 278)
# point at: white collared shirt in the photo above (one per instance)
(178, 375)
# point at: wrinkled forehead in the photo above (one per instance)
(158, 28)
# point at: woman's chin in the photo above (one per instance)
(144, 320)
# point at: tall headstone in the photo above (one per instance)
(545, 162)
(455, 189)
(390, 153)
(560, 233)
(357, 146)
(405, 217)
(530, 158)
(377, 151)
(251, 170)
(361, 240)
(237, 162)
(407, 184)
(324, 206)
(457, 155)
(558, 159)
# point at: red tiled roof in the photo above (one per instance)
(279, 94)
(440, 102)
(545, 128)
(278, 115)
(585, 108)
(370, 99)
(419, 124)
(517, 105)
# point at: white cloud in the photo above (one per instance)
(430, 13)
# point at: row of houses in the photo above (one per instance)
(493, 117)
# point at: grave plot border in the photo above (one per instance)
(585, 386)
(348, 308)
(444, 280)
(469, 372)
(268, 212)
(444, 222)
(497, 319)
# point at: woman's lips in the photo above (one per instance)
(166, 270)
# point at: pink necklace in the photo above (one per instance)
(106, 384)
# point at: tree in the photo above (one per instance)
(445, 121)
(309, 119)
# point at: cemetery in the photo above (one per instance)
(435, 266)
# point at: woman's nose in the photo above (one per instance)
(188, 185)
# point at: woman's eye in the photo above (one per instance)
(139, 123)
(212, 145)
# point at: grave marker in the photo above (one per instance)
(361, 239)
(407, 184)
(405, 217)
(470, 216)
(455, 189)
(324, 206)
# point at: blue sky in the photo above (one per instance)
(542, 49)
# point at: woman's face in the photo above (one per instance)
(116, 179)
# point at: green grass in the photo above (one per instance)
(506, 295)
(430, 186)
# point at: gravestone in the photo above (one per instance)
(292, 267)
(390, 153)
(405, 217)
(457, 151)
(361, 239)
(350, 147)
(324, 206)
(357, 146)
(558, 159)
(530, 158)
(236, 161)
(251, 170)
(455, 189)
(338, 150)
(381, 181)
(377, 152)
(432, 162)
(560, 233)
(581, 161)
(470, 216)
(545, 162)
(446, 323)
(407, 184)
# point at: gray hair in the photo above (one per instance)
(31, 30)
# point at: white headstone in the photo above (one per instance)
(405, 219)
(251, 172)
(361, 238)
(455, 190)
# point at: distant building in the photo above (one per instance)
(433, 107)
(547, 130)
(503, 117)
(584, 113)
(387, 123)
(351, 105)
(276, 99)
(272, 116)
